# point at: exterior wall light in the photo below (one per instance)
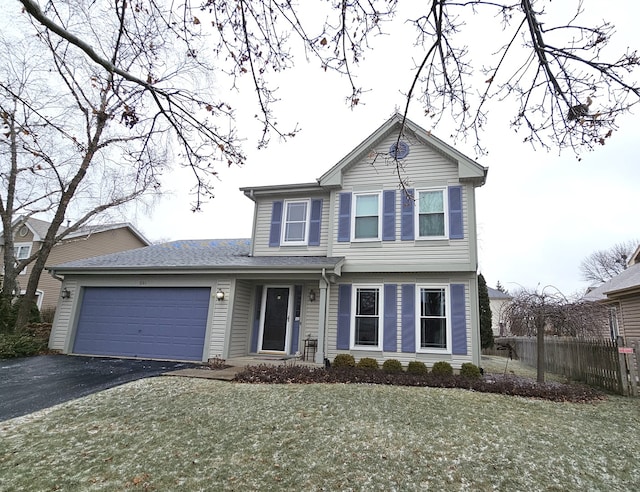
(312, 295)
(65, 294)
(220, 295)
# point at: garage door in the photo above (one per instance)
(154, 323)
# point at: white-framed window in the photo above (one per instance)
(433, 325)
(295, 230)
(431, 214)
(366, 319)
(367, 217)
(22, 251)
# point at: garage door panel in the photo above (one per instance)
(161, 323)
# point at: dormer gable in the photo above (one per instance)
(468, 169)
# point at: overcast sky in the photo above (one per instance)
(539, 214)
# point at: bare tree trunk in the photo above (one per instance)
(540, 339)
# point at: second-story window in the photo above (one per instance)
(432, 216)
(296, 222)
(366, 216)
(22, 251)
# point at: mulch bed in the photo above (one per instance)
(490, 383)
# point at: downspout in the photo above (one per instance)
(324, 298)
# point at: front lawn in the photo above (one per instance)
(172, 433)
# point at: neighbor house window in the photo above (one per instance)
(366, 317)
(432, 326)
(366, 216)
(21, 252)
(431, 216)
(296, 222)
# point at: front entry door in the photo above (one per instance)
(276, 317)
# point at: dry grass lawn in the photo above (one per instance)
(172, 433)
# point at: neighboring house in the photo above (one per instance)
(349, 263)
(498, 302)
(83, 243)
(622, 295)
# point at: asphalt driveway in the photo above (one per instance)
(33, 383)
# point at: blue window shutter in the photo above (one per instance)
(390, 341)
(456, 226)
(256, 319)
(408, 207)
(458, 320)
(276, 224)
(315, 222)
(389, 215)
(344, 317)
(408, 318)
(344, 218)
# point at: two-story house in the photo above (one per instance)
(90, 240)
(353, 262)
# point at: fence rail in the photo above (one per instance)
(594, 362)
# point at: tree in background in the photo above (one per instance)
(604, 264)
(501, 288)
(548, 312)
(486, 331)
(73, 145)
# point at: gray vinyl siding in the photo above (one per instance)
(221, 312)
(239, 337)
(63, 317)
(425, 168)
(263, 211)
(630, 311)
(405, 357)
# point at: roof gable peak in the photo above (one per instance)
(468, 169)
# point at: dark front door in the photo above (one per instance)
(276, 319)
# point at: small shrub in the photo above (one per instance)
(344, 360)
(368, 363)
(469, 370)
(47, 314)
(417, 367)
(392, 366)
(20, 345)
(442, 368)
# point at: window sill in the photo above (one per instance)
(433, 351)
(367, 348)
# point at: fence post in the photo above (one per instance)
(624, 380)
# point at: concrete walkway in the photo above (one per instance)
(236, 365)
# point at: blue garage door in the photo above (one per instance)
(154, 323)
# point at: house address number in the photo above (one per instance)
(625, 350)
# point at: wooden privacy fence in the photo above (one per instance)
(594, 362)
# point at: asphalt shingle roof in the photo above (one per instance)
(627, 279)
(197, 253)
(497, 294)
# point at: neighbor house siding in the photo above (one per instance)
(241, 320)
(264, 210)
(399, 280)
(101, 243)
(630, 314)
(429, 169)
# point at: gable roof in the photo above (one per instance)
(624, 282)
(40, 227)
(468, 169)
(199, 254)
